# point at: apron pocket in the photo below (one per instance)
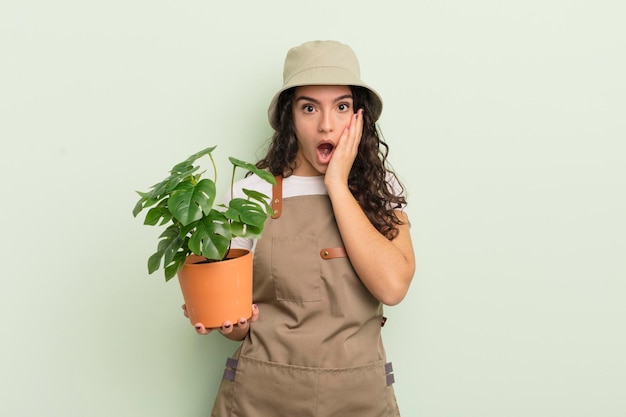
(268, 389)
(356, 392)
(296, 268)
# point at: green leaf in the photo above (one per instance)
(170, 248)
(154, 262)
(211, 236)
(138, 207)
(176, 264)
(177, 177)
(263, 174)
(188, 203)
(237, 228)
(260, 197)
(179, 173)
(157, 213)
(157, 191)
(250, 213)
(167, 248)
(181, 168)
(200, 154)
(252, 232)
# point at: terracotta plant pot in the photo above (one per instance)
(217, 291)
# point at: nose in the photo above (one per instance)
(326, 122)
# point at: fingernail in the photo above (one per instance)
(254, 306)
(198, 327)
(242, 322)
(227, 326)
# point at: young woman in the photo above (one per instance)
(335, 250)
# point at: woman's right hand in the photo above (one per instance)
(236, 331)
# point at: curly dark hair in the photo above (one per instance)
(369, 177)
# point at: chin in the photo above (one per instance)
(321, 170)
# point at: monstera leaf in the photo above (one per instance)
(247, 217)
(170, 250)
(189, 202)
(211, 236)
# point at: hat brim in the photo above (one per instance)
(321, 76)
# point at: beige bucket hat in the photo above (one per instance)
(322, 63)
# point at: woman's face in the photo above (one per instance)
(320, 114)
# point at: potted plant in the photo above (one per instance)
(196, 244)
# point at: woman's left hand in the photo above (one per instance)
(345, 152)
(232, 331)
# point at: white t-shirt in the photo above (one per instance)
(293, 186)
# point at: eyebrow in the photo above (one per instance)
(311, 99)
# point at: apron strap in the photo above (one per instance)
(277, 197)
(330, 253)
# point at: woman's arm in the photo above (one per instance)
(385, 266)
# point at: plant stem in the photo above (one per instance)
(232, 195)
(232, 183)
(214, 168)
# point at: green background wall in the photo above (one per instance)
(505, 119)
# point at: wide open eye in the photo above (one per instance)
(343, 107)
(308, 108)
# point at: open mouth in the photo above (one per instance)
(324, 152)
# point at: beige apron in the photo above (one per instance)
(316, 348)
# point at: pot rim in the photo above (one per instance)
(190, 261)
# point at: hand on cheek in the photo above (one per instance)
(346, 151)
